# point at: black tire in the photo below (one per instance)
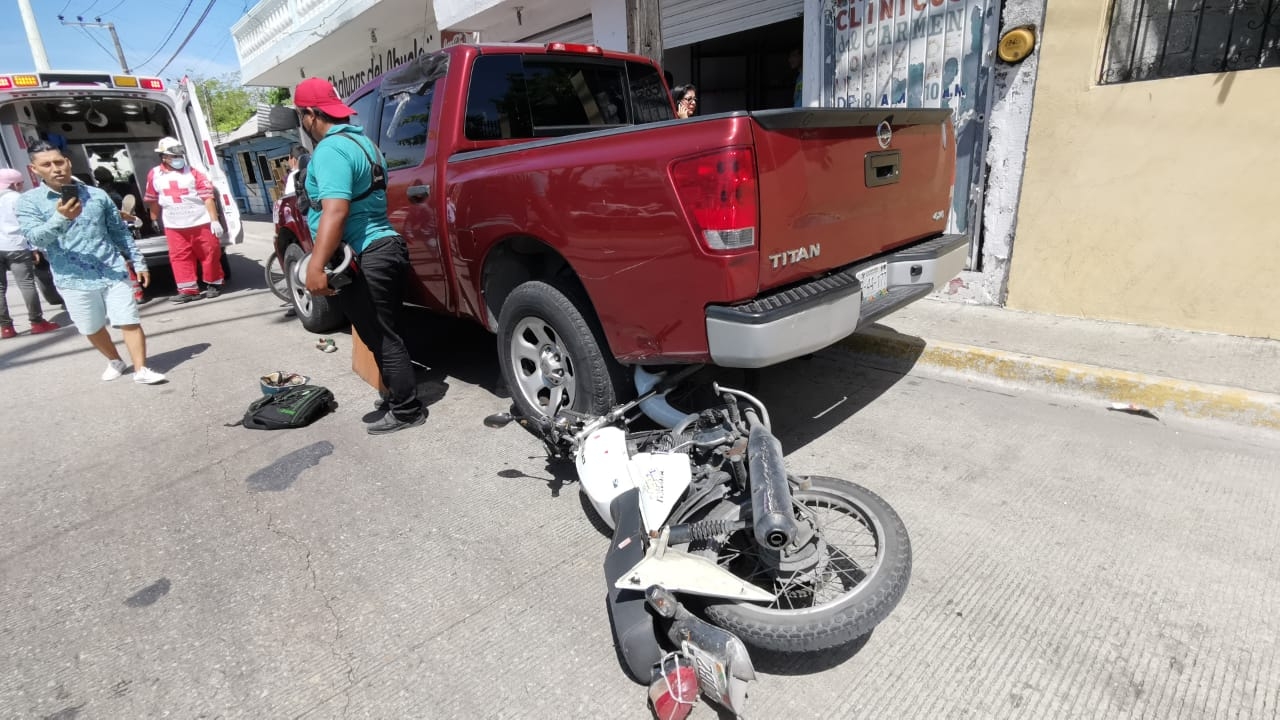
(553, 354)
(317, 314)
(866, 597)
(275, 278)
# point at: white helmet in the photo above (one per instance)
(170, 146)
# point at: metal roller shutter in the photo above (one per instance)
(574, 31)
(689, 21)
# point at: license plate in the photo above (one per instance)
(875, 282)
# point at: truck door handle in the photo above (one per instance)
(418, 193)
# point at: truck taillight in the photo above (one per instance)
(152, 84)
(5, 83)
(720, 197)
(574, 48)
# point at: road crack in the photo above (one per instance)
(345, 660)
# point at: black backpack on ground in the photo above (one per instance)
(292, 407)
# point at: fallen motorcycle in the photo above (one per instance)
(705, 509)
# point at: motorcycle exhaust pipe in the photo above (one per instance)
(772, 514)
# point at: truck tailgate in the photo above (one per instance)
(837, 186)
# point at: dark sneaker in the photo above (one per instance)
(212, 292)
(383, 404)
(390, 423)
(181, 298)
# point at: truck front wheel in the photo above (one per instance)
(553, 353)
(318, 314)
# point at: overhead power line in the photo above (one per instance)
(97, 42)
(187, 39)
(169, 36)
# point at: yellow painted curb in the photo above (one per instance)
(1153, 392)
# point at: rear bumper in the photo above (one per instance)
(805, 318)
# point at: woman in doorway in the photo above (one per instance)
(686, 97)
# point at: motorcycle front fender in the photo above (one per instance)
(634, 634)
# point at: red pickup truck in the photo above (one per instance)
(548, 193)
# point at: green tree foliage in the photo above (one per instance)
(277, 96)
(226, 102)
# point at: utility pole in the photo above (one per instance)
(644, 28)
(33, 36)
(111, 27)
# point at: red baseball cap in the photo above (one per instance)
(318, 93)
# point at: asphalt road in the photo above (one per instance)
(1068, 562)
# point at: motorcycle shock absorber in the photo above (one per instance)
(704, 530)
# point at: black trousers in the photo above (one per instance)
(371, 302)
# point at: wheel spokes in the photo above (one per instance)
(848, 551)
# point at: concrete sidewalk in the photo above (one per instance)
(1199, 375)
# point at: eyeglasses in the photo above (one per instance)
(689, 99)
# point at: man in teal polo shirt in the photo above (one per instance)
(348, 204)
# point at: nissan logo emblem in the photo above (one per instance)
(884, 133)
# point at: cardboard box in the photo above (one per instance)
(363, 364)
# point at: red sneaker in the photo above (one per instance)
(7, 332)
(43, 326)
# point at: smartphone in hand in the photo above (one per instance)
(70, 192)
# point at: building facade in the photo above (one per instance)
(1080, 206)
(1145, 192)
(255, 157)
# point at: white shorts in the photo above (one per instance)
(90, 309)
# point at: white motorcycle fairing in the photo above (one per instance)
(662, 479)
(604, 469)
(680, 571)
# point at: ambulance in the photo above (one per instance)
(105, 120)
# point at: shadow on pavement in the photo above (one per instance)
(808, 396)
(245, 274)
(458, 348)
(433, 385)
(170, 359)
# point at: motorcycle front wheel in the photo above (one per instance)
(846, 578)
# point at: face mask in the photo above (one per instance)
(177, 163)
(306, 140)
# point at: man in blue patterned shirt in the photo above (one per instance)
(87, 243)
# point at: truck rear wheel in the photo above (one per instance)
(317, 314)
(553, 353)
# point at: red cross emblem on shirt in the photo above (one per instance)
(174, 192)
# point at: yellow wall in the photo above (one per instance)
(1153, 202)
